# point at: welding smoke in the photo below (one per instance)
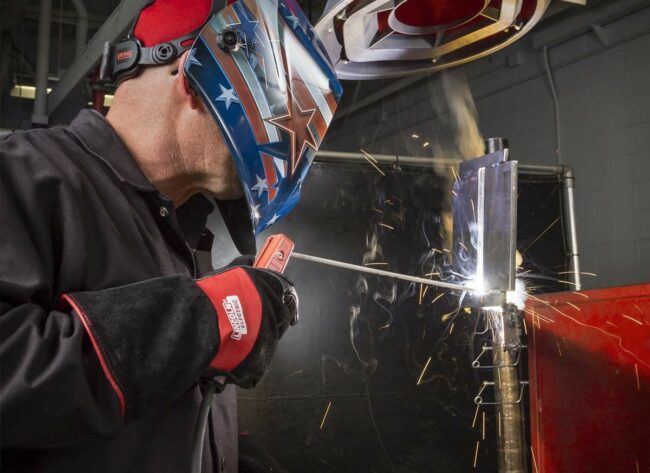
(457, 134)
(456, 119)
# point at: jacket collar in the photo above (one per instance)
(100, 139)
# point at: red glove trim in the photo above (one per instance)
(98, 349)
(239, 314)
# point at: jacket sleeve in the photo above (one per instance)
(76, 368)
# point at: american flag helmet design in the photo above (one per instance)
(273, 92)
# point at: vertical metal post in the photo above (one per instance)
(40, 117)
(81, 33)
(568, 185)
(506, 350)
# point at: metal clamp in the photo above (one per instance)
(477, 363)
(479, 400)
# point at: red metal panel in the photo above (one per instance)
(589, 363)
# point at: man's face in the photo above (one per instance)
(211, 157)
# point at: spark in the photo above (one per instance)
(566, 282)
(478, 406)
(608, 322)
(377, 210)
(368, 158)
(376, 263)
(636, 371)
(638, 308)
(454, 192)
(525, 327)
(383, 327)
(415, 136)
(558, 348)
(637, 466)
(438, 297)
(453, 170)
(499, 420)
(293, 374)
(580, 294)
(421, 291)
(325, 415)
(388, 201)
(426, 144)
(426, 365)
(451, 328)
(432, 274)
(632, 319)
(447, 315)
(542, 234)
(478, 442)
(386, 226)
(532, 453)
(578, 272)
(483, 428)
(461, 244)
(574, 306)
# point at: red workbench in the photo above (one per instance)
(589, 369)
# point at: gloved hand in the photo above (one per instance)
(254, 308)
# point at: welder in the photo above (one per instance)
(112, 315)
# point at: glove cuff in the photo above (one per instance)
(239, 315)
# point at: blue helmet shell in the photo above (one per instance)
(264, 75)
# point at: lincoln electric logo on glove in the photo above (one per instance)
(235, 314)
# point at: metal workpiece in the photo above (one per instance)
(485, 221)
(508, 390)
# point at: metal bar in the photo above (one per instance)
(394, 159)
(507, 389)
(40, 115)
(81, 33)
(568, 185)
(113, 28)
(379, 272)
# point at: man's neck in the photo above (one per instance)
(158, 155)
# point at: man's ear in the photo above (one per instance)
(183, 86)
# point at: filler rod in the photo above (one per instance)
(379, 272)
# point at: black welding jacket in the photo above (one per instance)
(77, 215)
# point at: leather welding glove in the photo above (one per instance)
(254, 308)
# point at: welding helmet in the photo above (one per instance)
(267, 81)
(265, 77)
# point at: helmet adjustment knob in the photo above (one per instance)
(163, 53)
(229, 40)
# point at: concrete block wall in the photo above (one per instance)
(604, 97)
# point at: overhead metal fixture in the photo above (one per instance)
(385, 38)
